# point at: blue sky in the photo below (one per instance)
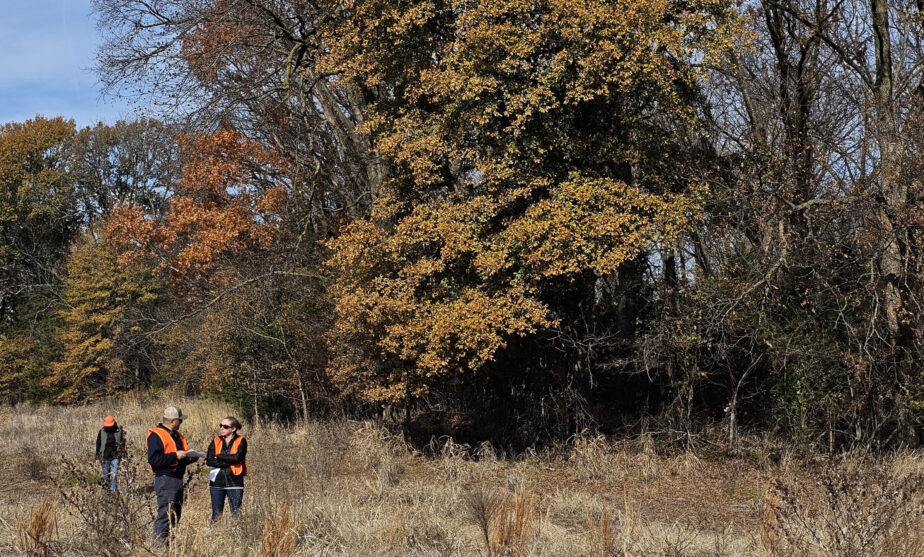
(47, 50)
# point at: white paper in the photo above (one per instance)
(213, 473)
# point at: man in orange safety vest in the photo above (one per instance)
(168, 457)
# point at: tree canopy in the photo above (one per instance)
(549, 215)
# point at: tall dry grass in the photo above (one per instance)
(355, 488)
(37, 534)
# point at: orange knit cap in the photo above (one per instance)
(109, 421)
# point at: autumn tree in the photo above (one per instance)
(228, 201)
(39, 217)
(540, 159)
(39, 214)
(107, 311)
(225, 245)
(251, 65)
(21, 367)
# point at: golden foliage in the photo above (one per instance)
(18, 362)
(446, 288)
(479, 75)
(34, 150)
(526, 154)
(38, 208)
(95, 331)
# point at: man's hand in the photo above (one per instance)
(180, 455)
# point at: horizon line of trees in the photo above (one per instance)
(527, 218)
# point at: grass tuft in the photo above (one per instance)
(36, 535)
(279, 537)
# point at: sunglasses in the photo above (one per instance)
(223, 426)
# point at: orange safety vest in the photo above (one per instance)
(167, 440)
(239, 469)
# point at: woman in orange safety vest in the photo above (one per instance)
(227, 455)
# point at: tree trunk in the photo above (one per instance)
(893, 193)
(301, 392)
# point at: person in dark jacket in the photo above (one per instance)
(110, 448)
(168, 455)
(227, 455)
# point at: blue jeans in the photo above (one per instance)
(110, 469)
(234, 495)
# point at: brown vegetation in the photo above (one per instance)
(354, 488)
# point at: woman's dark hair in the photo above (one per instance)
(234, 423)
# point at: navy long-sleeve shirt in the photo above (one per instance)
(162, 463)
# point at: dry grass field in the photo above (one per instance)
(354, 488)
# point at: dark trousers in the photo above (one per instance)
(169, 491)
(234, 495)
